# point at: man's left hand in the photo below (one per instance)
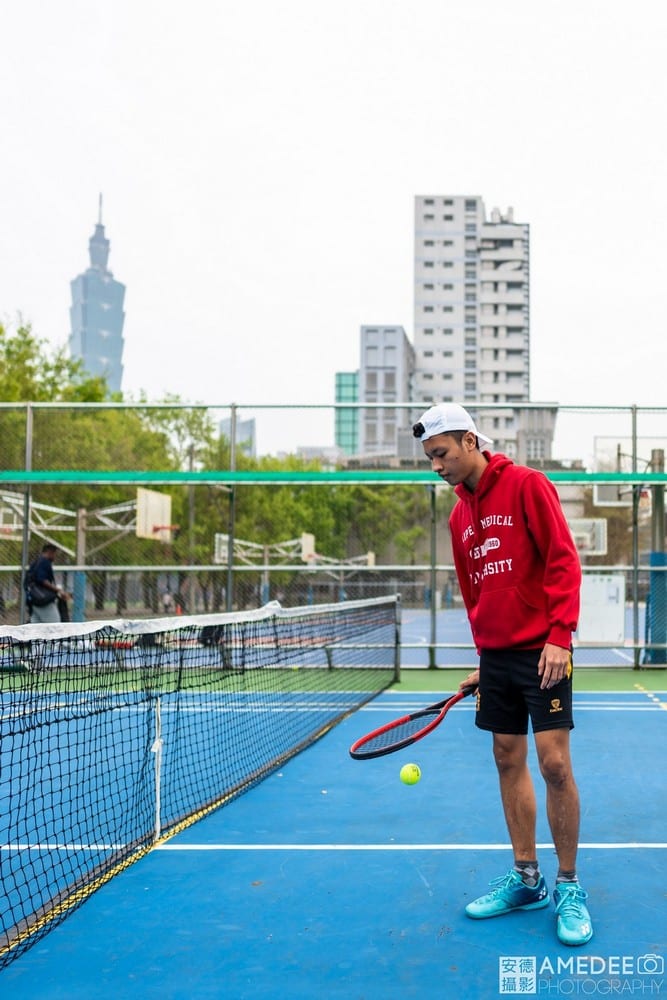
(555, 664)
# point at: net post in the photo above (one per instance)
(397, 647)
(156, 748)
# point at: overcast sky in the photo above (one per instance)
(259, 163)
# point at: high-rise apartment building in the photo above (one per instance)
(471, 339)
(97, 315)
(386, 366)
(472, 310)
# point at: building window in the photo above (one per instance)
(448, 309)
(448, 218)
(428, 309)
(471, 205)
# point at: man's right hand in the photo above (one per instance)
(471, 680)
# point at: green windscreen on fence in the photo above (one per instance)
(114, 735)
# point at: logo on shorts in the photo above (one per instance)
(555, 706)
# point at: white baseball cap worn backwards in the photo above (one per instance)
(445, 418)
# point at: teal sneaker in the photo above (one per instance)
(574, 921)
(509, 892)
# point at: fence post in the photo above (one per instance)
(232, 511)
(79, 593)
(658, 581)
(25, 540)
(636, 492)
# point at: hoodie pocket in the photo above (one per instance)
(507, 617)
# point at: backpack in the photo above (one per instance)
(35, 594)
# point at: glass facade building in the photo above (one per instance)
(347, 417)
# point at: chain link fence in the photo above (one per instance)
(163, 509)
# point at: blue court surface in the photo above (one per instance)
(452, 633)
(332, 879)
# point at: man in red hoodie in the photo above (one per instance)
(519, 574)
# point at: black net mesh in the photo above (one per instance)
(113, 736)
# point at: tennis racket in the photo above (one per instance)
(407, 730)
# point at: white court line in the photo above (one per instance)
(578, 707)
(62, 847)
(170, 846)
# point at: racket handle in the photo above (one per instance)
(468, 689)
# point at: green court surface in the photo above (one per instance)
(585, 679)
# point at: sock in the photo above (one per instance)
(565, 876)
(529, 872)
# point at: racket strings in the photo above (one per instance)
(408, 729)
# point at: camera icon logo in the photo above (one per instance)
(650, 965)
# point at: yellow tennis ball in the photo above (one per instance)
(410, 774)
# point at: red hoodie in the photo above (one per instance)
(516, 560)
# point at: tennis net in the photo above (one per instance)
(114, 736)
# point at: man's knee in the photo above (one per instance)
(553, 752)
(509, 752)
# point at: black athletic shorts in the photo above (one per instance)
(509, 692)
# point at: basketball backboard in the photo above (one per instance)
(153, 515)
(615, 454)
(590, 535)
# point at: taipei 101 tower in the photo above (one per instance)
(96, 314)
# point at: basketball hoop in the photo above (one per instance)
(164, 532)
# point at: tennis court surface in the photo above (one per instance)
(329, 877)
